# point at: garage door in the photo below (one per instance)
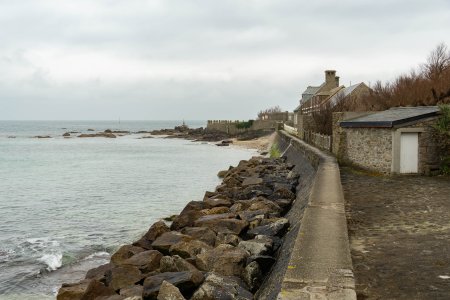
(409, 152)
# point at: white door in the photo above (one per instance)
(409, 152)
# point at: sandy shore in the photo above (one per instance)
(261, 144)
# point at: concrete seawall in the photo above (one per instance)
(315, 260)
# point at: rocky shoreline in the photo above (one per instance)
(195, 134)
(222, 247)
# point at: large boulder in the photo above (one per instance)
(143, 243)
(212, 218)
(232, 181)
(284, 204)
(218, 201)
(168, 291)
(132, 291)
(122, 276)
(97, 289)
(188, 249)
(73, 291)
(256, 204)
(282, 193)
(276, 228)
(216, 210)
(124, 253)
(152, 234)
(257, 246)
(156, 230)
(277, 241)
(168, 239)
(187, 217)
(203, 234)
(217, 286)
(253, 276)
(251, 215)
(99, 272)
(253, 191)
(222, 223)
(222, 173)
(224, 259)
(186, 282)
(175, 264)
(252, 181)
(227, 238)
(146, 261)
(264, 261)
(261, 203)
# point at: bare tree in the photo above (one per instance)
(438, 62)
(323, 119)
(271, 110)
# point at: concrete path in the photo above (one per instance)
(399, 230)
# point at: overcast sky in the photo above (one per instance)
(192, 59)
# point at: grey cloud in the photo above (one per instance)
(267, 52)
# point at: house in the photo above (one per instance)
(312, 94)
(352, 93)
(398, 140)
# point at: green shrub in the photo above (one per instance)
(442, 134)
(275, 151)
(244, 124)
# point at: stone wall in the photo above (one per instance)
(369, 148)
(227, 126)
(231, 128)
(264, 124)
(338, 136)
(305, 123)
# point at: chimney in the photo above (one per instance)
(337, 81)
(330, 78)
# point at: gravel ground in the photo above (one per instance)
(399, 230)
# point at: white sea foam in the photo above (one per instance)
(98, 255)
(53, 261)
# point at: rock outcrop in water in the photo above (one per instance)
(207, 135)
(107, 134)
(219, 248)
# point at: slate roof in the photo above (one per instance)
(311, 90)
(392, 117)
(345, 92)
(308, 94)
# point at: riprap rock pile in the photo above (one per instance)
(219, 248)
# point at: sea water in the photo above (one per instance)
(67, 203)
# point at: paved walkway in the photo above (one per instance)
(399, 230)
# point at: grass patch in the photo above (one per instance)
(353, 169)
(275, 151)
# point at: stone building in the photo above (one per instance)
(398, 140)
(312, 94)
(352, 93)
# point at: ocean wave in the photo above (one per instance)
(101, 254)
(42, 241)
(53, 261)
(5, 253)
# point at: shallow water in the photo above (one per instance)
(65, 204)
